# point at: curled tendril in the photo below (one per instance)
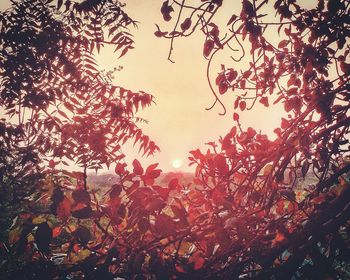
(217, 99)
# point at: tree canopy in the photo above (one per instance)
(251, 212)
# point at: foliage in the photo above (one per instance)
(246, 214)
(59, 105)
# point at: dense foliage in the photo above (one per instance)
(252, 211)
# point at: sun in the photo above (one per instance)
(177, 163)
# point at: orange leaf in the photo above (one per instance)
(197, 260)
(278, 238)
(56, 231)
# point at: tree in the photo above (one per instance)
(254, 181)
(58, 105)
(245, 216)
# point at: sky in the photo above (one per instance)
(178, 122)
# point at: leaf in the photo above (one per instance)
(165, 225)
(56, 231)
(179, 212)
(64, 209)
(278, 238)
(160, 34)
(14, 235)
(235, 117)
(59, 4)
(173, 183)
(186, 24)
(82, 213)
(166, 10)
(292, 91)
(284, 123)
(52, 164)
(221, 164)
(151, 174)
(83, 235)
(242, 105)
(288, 106)
(155, 204)
(232, 19)
(268, 169)
(62, 114)
(124, 51)
(283, 44)
(305, 168)
(265, 101)
(197, 260)
(163, 192)
(232, 75)
(81, 196)
(151, 167)
(223, 87)
(116, 189)
(38, 220)
(83, 254)
(43, 237)
(208, 47)
(120, 168)
(138, 170)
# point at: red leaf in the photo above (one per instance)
(235, 117)
(242, 105)
(120, 168)
(293, 103)
(278, 238)
(62, 114)
(264, 100)
(56, 231)
(283, 44)
(208, 47)
(221, 165)
(173, 183)
(52, 164)
(179, 212)
(156, 204)
(284, 123)
(138, 170)
(64, 209)
(151, 167)
(223, 87)
(165, 225)
(163, 192)
(242, 84)
(197, 260)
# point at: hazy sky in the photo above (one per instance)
(178, 122)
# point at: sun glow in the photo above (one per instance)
(177, 163)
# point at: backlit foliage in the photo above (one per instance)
(252, 211)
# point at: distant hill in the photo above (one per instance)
(101, 181)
